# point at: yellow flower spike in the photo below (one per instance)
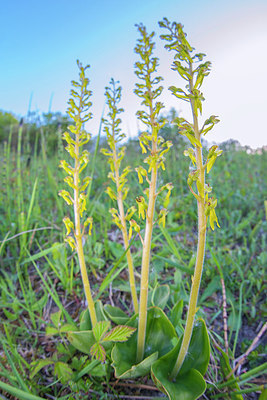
(120, 190)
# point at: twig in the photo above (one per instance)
(249, 350)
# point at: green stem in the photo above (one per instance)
(200, 249)
(78, 237)
(146, 257)
(124, 232)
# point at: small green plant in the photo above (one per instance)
(115, 156)
(76, 138)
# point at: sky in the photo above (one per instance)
(40, 42)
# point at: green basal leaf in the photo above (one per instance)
(124, 362)
(85, 321)
(115, 314)
(190, 386)
(82, 341)
(199, 349)
(160, 338)
(160, 296)
(189, 383)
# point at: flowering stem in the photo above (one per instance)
(78, 232)
(125, 234)
(79, 249)
(200, 248)
(146, 260)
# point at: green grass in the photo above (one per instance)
(39, 275)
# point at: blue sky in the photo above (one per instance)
(41, 40)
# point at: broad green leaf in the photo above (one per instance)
(189, 384)
(85, 321)
(129, 370)
(160, 338)
(38, 365)
(100, 329)
(199, 349)
(99, 309)
(160, 296)
(82, 341)
(63, 371)
(115, 314)
(119, 334)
